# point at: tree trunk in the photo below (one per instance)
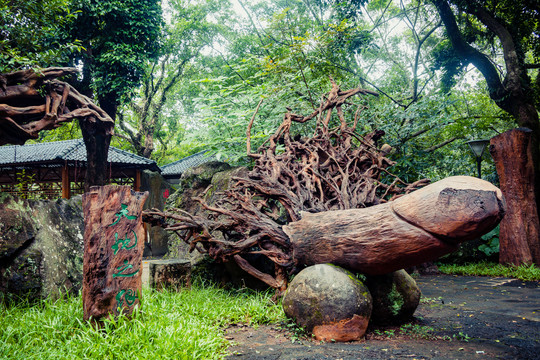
(411, 230)
(97, 139)
(519, 232)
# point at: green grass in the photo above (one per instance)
(522, 272)
(169, 325)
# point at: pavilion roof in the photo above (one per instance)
(67, 152)
(177, 168)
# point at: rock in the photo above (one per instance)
(345, 330)
(172, 273)
(395, 297)
(41, 247)
(214, 174)
(330, 302)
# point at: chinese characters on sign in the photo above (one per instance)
(113, 246)
(125, 270)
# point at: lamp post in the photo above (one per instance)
(478, 147)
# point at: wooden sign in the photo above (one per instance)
(113, 248)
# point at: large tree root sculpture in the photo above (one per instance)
(335, 169)
(294, 199)
(32, 101)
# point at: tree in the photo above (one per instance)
(118, 37)
(145, 119)
(32, 34)
(513, 27)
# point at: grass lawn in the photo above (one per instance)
(169, 325)
(522, 272)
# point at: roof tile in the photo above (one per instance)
(67, 150)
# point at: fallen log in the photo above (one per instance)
(411, 230)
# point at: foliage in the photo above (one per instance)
(24, 182)
(287, 60)
(118, 37)
(169, 325)
(491, 245)
(523, 272)
(157, 113)
(417, 331)
(287, 55)
(32, 33)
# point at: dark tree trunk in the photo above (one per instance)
(519, 234)
(97, 139)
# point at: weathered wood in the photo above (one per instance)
(33, 101)
(334, 169)
(519, 232)
(113, 248)
(411, 230)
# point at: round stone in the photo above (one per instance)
(326, 294)
(395, 297)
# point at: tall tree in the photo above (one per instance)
(143, 119)
(515, 27)
(119, 37)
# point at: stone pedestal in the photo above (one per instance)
(160, 274)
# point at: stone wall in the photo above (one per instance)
(41, 247)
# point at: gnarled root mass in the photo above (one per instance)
(32, 101)
(335, 169)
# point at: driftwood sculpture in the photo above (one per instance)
(32, 101)
(327, 198)
(409, 231)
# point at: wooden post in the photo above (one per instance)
(66, 188)
(113, 248)
(519, 232)
(137, 181)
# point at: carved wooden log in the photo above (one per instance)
(411, 230)
(113, 248)
(520, 233)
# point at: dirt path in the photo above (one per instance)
(460, 317)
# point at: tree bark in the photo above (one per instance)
(411, 230)
(519, 232)
(97, 139)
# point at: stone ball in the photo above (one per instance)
(395, 297)
(326, 294)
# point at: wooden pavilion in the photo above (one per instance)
(57, 169)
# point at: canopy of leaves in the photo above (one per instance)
(119, 37)
(32, 33)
